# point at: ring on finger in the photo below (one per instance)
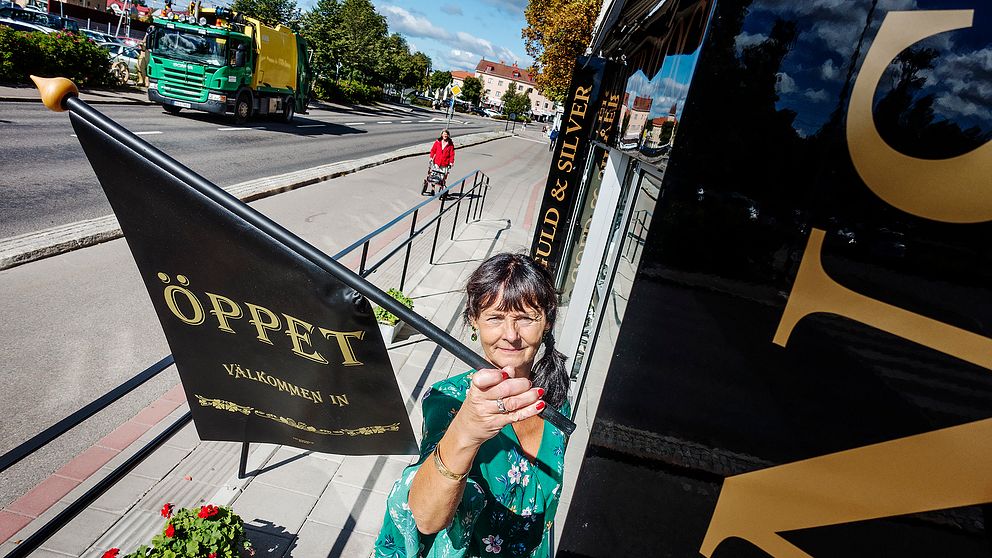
(501, 406)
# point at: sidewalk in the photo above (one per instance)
(298, 503)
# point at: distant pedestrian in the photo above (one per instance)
(442, 159)
(554, 137)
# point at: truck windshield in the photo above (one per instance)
(190, 46)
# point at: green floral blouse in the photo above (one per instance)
(509, 502)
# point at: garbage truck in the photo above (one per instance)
(219, 61)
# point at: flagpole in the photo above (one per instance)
(60, 94)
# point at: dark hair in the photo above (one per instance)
(441, 136)
(520, 283)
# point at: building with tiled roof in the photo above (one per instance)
(496, 79)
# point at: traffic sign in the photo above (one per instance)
(456, 90)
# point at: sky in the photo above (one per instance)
(456, 34)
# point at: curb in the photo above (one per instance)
(26, 248)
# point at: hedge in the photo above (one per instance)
(346, 92)
(59, 54)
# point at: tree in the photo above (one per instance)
(270, 12)
(557, 33)
(515, 103)
(440, 80)
(364, 34)
(472, 90)
(421, 67)
(322, 30)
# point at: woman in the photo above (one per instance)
(443, 156)
(490, 470)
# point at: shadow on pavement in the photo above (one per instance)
(301, 125)
(269, 539)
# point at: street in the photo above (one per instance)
(48, 182)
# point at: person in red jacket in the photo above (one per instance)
(443, 151)
(442, 156)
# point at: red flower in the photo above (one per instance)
(212, 555)
(112, 553)
(209, 510)
(167, 510)
(170, 531)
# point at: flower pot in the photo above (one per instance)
(389, 331)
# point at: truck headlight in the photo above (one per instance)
(152, 85)
(216, 97)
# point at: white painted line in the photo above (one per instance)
(385, 122)
(72, 135)
(354, 123)
(533, 140)
(406, 122)
(311, 125)
(233, 129)
(151, 133)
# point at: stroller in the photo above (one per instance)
(436, 178)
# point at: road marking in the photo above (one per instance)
(151, 133)
(233, 129)
(354, 123)
(533, 140)
(311, 125)
(406, 122)
(385, 122)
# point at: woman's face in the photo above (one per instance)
(511, 338)
(445, 136)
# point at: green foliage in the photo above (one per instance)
(270, 12)
(384, 316)
(351, 41)
(472, 90)
(516, 103)
(440, 80)
(346, 92)
(211, 531)
(61, 54)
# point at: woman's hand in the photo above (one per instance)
(481, 416)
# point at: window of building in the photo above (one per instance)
(500, 82)
(545, 105)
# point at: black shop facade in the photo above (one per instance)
(765, 225)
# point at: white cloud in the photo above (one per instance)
(451, 9)
(746, 39)
(816, 95)
(460, 42)
(828, 71)
(508, 6)
(784, 84)
(405, 22)
(964, 84)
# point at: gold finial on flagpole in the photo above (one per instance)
(54, 91)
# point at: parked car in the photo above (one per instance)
(50, 22)
(8, 4)
(123, 62)
(24, 20)
(478, 110)
(101, 38)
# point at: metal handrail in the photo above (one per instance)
(44, 437)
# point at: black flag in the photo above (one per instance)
(269, 346)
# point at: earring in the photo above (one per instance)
(475, 336)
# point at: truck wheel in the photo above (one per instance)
(242, 108)
(288, 109)
(172, 109)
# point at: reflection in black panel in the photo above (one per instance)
(760, 159)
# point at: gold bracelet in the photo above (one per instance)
(445, 472)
